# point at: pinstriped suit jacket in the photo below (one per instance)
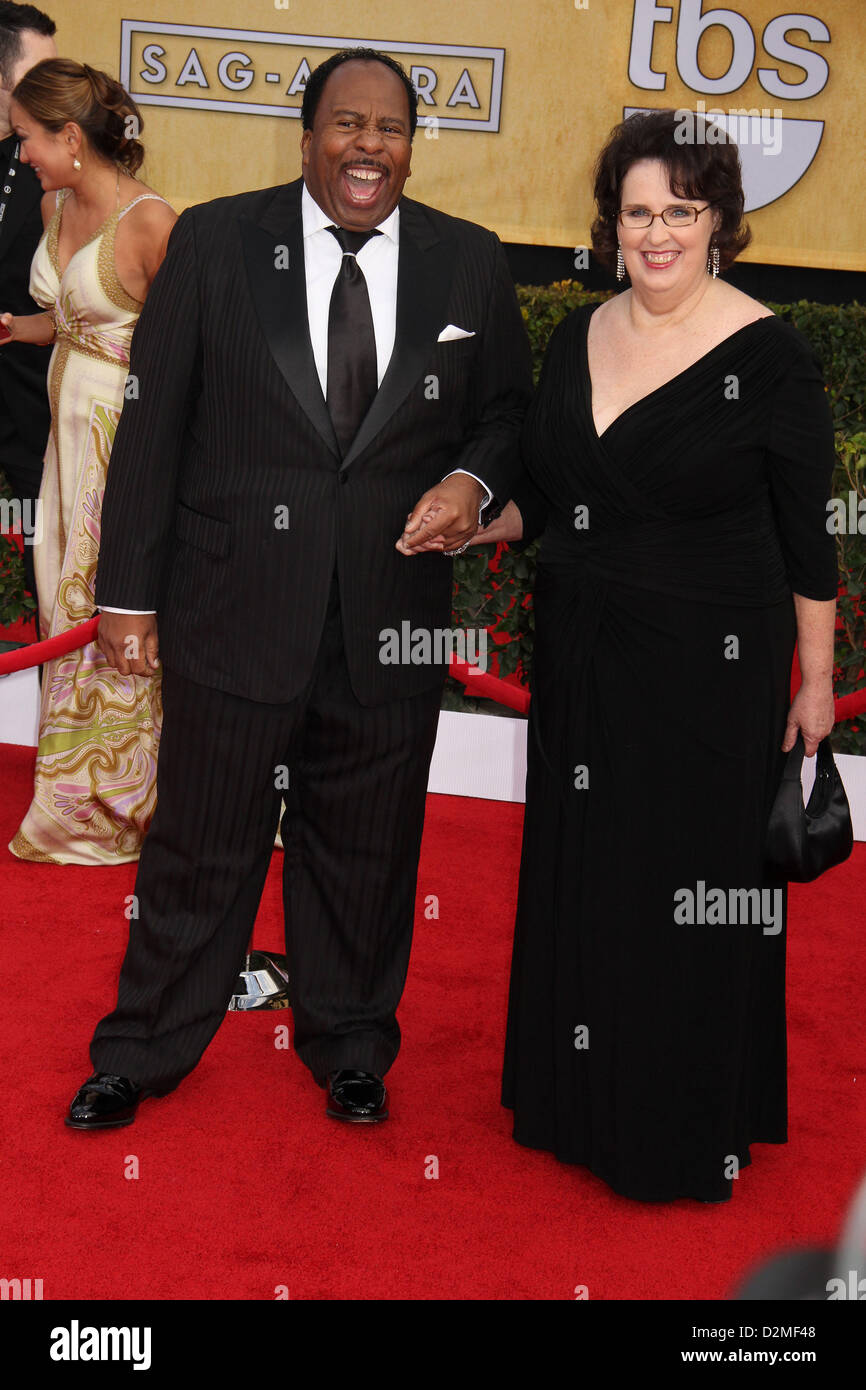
(229, 429)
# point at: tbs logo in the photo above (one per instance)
(775, 150)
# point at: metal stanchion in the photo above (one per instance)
(263, 982)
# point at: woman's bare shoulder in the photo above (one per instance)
(48, 206)
(151, 217)
(606, 317)
(741, 308)
(608, 310)
(132, 189)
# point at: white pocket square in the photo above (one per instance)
(450, 332)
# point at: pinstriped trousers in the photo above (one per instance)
(352, 836)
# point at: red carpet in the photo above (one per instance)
(244, 1186)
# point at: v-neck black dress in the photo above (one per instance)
(649, 1048)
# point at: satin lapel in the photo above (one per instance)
(280, 299)
(425, 270)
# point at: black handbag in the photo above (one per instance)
(805, 841)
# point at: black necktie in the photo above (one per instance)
(352, 370)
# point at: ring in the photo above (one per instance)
(458, 551)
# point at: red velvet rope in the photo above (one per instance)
(476, 682)
(481, 683)
(37, 652)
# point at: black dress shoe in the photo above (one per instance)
(105, 1102)
(357, 1096)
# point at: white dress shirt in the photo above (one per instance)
(322, 261)
(378, 258)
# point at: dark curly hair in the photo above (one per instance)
(319, 76)
(695, 168)
(58, 90)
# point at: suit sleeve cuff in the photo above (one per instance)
(488, 499)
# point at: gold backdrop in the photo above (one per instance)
(518, 99)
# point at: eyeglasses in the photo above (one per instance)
(682, 216)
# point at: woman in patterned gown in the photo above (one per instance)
(105, 237)
(679, 454)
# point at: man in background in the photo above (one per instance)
(26, 38)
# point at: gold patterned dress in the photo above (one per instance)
(95, 784)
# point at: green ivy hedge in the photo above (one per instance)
(501, 597)
(495, 590)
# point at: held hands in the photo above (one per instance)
(129, 642)
(812, 713)
(445, 518)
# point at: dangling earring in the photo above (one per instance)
(76, 163)
(620, 263)
(713, 262)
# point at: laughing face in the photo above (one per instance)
(659, 258)
(356, 157)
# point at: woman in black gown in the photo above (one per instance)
(679, 454)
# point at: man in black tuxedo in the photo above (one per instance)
(331, 380)
(26, 37)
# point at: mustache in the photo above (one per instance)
(365, 164)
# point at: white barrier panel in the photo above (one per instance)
(485, 756)
(853, 773)
(19, 707)
(479, 755)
